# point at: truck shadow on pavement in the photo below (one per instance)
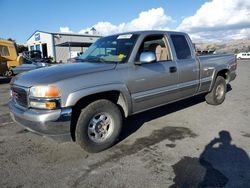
(4, 80)
(133, 123)
(220, 164)
(229, 88)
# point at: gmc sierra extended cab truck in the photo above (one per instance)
(118, 76)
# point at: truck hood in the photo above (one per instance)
(49, 75)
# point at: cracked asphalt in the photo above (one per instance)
(185, 144)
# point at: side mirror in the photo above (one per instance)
(147, 57)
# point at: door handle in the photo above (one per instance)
(172, 69)
(208, 68)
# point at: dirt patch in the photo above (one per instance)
(171, 145)
(246, 134)
(23, 131)
(153, 159)
(167, 133)
(5, 119)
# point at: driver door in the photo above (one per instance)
(155, 83)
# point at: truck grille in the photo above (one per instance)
(20, 96)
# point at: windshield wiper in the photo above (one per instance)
(94, 59)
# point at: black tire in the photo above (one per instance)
(87, 131)
(3, 68)
(217, 95)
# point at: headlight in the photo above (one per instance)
(44, 104)
(44, 97)
(44, 91)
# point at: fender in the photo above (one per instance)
(216, 72)
(124, 99)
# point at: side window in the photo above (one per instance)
(4, 51)
(38, 47)
(181, 46)
(31, 48)
(156, 44)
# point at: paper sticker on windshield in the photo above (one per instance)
(127, 36)
(120, 56)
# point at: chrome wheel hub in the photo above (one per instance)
(100, 127)
(219, 91)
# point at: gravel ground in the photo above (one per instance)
(185, 144)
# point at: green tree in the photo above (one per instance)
(236, 51)
(10, 39)
(213, 48)
(19, 47)
(248, 48)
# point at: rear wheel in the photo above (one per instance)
(98, 126)
(217, 95)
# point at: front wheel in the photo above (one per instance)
(217, 95)
(98, 126)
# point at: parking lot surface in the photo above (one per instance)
(185, 144)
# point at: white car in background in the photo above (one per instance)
(28, 66)
(244, 55)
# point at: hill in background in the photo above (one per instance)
(235, 46)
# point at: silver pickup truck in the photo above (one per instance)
(118, 76)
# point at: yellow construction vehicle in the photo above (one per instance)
(8, 58)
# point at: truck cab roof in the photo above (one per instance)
(149, 32)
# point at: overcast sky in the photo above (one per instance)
(213, 20)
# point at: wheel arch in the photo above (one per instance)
(117, 96)
(224, 73)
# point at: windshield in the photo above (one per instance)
(116, 48)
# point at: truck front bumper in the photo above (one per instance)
(51, 123)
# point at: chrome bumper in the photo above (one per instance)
(51, 123)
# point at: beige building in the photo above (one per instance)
(60, 46)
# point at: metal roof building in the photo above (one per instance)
(60, 46)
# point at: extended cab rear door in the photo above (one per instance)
(187, 65)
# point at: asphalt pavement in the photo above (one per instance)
(185, 144)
